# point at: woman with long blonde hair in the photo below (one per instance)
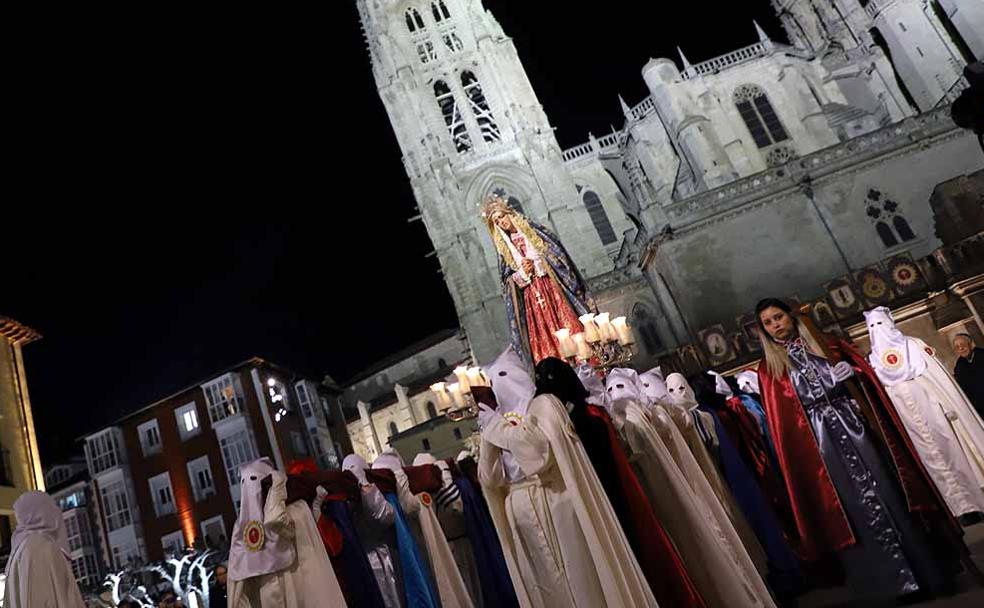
(881, 518)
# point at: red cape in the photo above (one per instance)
(821, 523)
(661, 564)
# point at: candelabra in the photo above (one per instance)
(605, 343)
(457, 395)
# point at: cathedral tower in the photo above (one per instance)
(469, 125)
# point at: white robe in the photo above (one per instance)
(308, 583)
(719, 566)
(675, 424)
(450, 585)
(39, 576)
(562, 542)
(946, 431)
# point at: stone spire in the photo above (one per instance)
(762, 36)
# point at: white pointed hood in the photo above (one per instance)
(511, 383)
(623, 383)
(654, 386)
(895, 357)
(258, 547)
(680, 391)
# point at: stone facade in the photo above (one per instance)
(394, 395)
(769, 169)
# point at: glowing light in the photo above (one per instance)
(271, 382)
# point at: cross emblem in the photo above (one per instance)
(539, 300)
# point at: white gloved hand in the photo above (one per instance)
(486, 415)
(841, 372)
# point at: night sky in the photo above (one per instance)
(199, 188)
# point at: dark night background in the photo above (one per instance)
(198, 188)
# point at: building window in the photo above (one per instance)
(440, 11)
(213, 532)
(414, 20)
(187, 416)
(427, 444)
(150, 437)
(592, 202)
(480, 107)
(453, 42)
(758, 115)
(237, 450)
(103, 452)
(173, 543)
(326, 409)
(890, 225)
(84, 569)
(886, 235)
(161, 493)
(297, 439)
(223, 397)
(457, 433)
(77, 529)
(116, 507)
(392, 429)
(127, 554)
(304, 399)
(431, 410)
(200, 473)
(72, 501)
(452, 116)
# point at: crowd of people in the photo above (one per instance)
(819, 468)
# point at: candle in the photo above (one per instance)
(622, 331)
(604, 327)
(474, 376)
(461, 372)
(590, 329)
(455, 390)
(564, 342)
(442, 395)
(581, 345)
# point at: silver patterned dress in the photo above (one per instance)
(891, 556)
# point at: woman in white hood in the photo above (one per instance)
(945, 430)
(38, 572)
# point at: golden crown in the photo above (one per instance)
(493, 205)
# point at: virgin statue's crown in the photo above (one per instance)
(495, 204)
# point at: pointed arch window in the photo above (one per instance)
(480, 107)
(414, 21)
(596, 210)
(440, 11)
(452, 116)
(392, 428)
(431, 410)
(759, 116)
(886, 235)
(890, 225)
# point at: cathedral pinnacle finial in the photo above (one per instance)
(686, 64)
(626, 110)
(763, 37)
